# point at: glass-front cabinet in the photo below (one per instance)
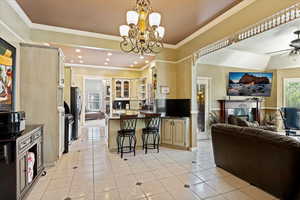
(118, 89)
(122, 89)
(126, 86)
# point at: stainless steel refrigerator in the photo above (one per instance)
(76, 107)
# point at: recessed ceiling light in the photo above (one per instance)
(81, 61)
(109, 54)
(106, 63)
(107, 59)
(142, 57)
(46, 44)
(131, 65)
(147, 61)
(135, 62)
(78, 50)
(79, 57)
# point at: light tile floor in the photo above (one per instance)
(91, 172)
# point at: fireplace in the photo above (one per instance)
(249, 109)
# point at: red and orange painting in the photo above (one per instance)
(6, 76)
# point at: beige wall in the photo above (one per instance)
(271, 102)
(9, 18)
(219, 80)
(184, 79)
(281, 75)
(166, 76)
(42, 36)
(106, 73)
(68, 82)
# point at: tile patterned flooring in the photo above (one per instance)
(91, 172)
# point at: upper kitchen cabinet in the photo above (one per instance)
(122, 89)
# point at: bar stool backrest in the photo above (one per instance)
(152, 120)
(128, 122)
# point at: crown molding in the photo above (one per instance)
(102, 67)
(20, 38)
(74, 32)
(208, 26)
(20, 12)
(83, 33)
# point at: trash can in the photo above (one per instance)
(69, 121)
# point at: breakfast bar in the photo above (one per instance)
(113, 125)
(174, 131)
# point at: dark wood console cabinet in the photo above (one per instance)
(249, 107)
(14, 184)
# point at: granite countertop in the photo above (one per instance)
(141, 116)
(28, 129)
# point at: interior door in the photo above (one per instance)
(203, 108)
(179, 133)
(167, 131)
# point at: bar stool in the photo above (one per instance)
(127, 130)
(152, 123)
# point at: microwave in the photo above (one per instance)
(12, 123)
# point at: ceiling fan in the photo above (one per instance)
(294, 51)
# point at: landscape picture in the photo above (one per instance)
(250, 84)
(7, 62)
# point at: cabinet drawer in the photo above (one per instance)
(24, 143)
(37, 135)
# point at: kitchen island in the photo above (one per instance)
(174, 131)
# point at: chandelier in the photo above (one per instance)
(143, 34)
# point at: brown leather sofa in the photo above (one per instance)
(263, 158)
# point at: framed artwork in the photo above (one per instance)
(7, 75)
(164, 90)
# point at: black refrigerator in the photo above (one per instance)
(76, 106)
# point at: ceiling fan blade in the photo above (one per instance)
(274, 52)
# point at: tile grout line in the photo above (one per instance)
(93, 155)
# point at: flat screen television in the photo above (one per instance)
(178, 107)
(7, 75)
(250, 84)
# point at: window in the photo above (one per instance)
(292, 92)
(93, 101)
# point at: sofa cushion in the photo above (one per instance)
(263, 158)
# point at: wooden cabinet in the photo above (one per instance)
(167, 131)
(142, 89)
(15, 183)
(133, 89)
(22, 175)
(122, 89)
(175, 132)
(179, 132)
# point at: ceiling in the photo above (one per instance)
(268, 50)
(97, 57)
(180, 18)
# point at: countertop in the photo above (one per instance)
(28, 129)
(141, 116)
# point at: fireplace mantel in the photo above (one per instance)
(250, 107)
